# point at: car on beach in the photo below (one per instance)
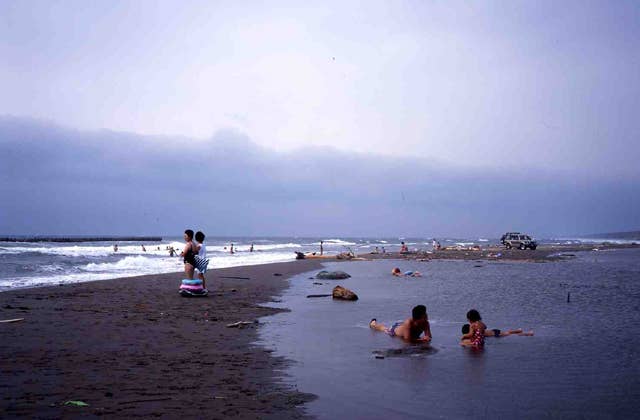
(518, 240)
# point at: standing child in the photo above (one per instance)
(475, 336)
(202, 262)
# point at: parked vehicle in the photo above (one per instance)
(518, 240)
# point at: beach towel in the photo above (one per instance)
(201, 263)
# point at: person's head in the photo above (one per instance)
(199, 236)
(473, 315)
(419, 312)
(396, 270)
(466, 328)
(188, 235)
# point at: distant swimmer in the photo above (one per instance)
(414, 329)
(231, 249)
(143, 248)
(321, 247)
(403, 247)
(251, 248)
(115, 247)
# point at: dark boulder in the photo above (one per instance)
(332, 275)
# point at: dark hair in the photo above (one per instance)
(465, 329)
(189, 233)
(199, 236)
(419, 312)
(473, 315)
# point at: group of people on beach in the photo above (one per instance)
(194, 255)
(417, 329)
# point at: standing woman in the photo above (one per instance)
(188, 253)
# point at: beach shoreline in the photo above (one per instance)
(132, 347)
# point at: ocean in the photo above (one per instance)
(582, 362)
(32, 264)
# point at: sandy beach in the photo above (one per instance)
(133, 347)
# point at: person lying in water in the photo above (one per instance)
(414, 329)
(396, 272)
(498, 333)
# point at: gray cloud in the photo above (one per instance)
(55, 180)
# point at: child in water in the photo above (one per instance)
(477, 328)
(411, 329)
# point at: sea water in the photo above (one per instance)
(30, 264)
(582, 362)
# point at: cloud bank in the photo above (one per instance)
(55, 180)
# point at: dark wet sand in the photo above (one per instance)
(133, 347)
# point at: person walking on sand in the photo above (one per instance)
(415, 329)
(477, 328)
(188, 254)
(201, 260)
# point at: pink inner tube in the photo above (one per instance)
(188, 287)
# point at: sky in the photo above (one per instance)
(481, 117)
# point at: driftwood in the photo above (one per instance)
(241, 324)
(315, 296)
(6, 321)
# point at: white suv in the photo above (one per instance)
(518, 240)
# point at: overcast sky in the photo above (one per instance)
(537, 90)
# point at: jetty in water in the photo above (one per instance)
(82, 239)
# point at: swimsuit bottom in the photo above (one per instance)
(392, 331)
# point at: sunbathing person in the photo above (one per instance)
(414, 329)
(396, 272)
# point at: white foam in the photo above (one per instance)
(338, 242)
(86, 251)
(138, 265)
